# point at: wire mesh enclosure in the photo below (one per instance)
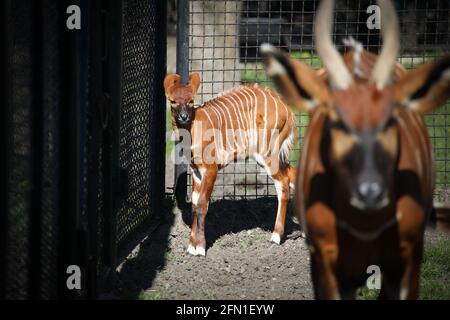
(225, 36)
(141, 117)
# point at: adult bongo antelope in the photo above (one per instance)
(366, 173)
(248, 121)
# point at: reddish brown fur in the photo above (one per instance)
(363, 115)
(245, 108)
(343, 240)
(366, 108)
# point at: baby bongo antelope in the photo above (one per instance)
(248, 121)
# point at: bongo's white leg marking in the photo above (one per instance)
(191, 250)
(195, 196)
(403, 293)
(276, 238)
(200, 251)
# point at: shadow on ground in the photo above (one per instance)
(141, 266)
(234, 216)
(224, 217)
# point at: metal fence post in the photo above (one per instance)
(159, 123)
(86, 238)
(94, 145)
(180, 180)
(69, 156)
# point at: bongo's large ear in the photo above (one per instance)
(194, 82)
(303, 87)
(425, 88)
(170, 81)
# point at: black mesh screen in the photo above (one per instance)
(139, 23)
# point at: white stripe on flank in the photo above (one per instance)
(225, 142)
(240, 110)
(264, 137)
(254, 128)
(228, 119)
(238, 120)
(246, 111)
(212, 126)
(220, 149)
(253, 115)
(276, 124)
(242, 104)
(246, 114)
(250, 127)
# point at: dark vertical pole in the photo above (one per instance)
(37, 137)
(69, 151)
(93, 147)
(183, 40)
(5, 45)
(159, 123)
(83, 231)
(183, 71)
(112, 134)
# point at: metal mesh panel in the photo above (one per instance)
(20, 158)
(50, 193)
(35, 259)
(224, 48)
(62, 79)
(136, 115)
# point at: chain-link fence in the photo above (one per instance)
(141, 115)
(224, 48)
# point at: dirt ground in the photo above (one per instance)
(240, 263)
